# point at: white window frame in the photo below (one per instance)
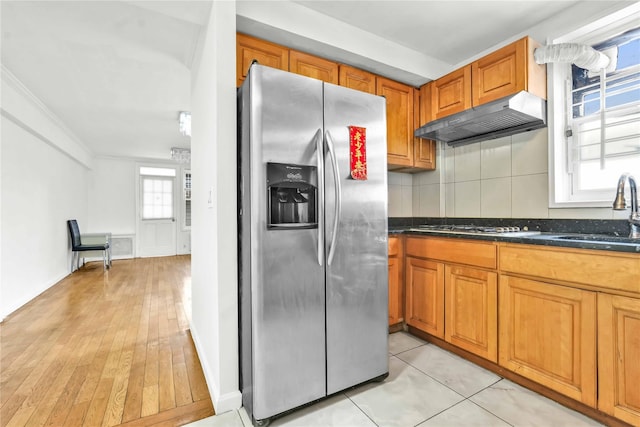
(186, 195)
(560, 185)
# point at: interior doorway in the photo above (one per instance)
(156, 207)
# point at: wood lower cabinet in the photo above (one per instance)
(471, 312)
(425, 295)
(250, 48)
(396, 281)
(619, 357)
(313, 66)
(548, 334)
(455, 302)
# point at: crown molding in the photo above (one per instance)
(11, 80)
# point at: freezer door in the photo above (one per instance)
(357, 270)
(287, 279)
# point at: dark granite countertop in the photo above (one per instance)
(607, 235)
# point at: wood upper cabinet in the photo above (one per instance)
(425, 295)
(399, 121)
(507, 71)
(396, 281)
(619, 357)
(450, 94)
(313, 66)
(357, 79)
(471, 311)
(504, 72)
(548, 334)
(424, 150)
(250, 48)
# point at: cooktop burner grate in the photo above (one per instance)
(474, 229)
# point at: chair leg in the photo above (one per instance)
(73, 258)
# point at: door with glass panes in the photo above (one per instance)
(157, 212)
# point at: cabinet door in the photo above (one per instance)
(499, 74)
(471, 309)
(249, 48)
(424, 156)
(619, 357)
(314, 67)
(399, 121)
(548, 334)
(424, 150)
(396, 301)
(394, 290)
(425, 295)
(357, 79)
(451, 93)
(426, 113)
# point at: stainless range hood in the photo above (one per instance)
(506, 116)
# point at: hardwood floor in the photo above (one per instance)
(104, 349)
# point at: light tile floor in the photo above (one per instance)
(426, 387)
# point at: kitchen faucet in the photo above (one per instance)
(620, 204)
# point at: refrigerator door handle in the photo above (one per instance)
(336, 177)
(320, 149)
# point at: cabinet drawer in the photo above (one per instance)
(480, 254)
(606, 270)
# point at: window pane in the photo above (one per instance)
(591, 177)
(157, 171)
(157, 198)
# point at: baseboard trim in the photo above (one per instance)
(24, 301)
(221, 402)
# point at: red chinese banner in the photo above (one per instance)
(358, 151)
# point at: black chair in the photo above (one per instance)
(77, 247)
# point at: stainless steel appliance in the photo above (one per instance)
(313, 241)
(513, 114)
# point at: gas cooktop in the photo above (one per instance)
(475, 229)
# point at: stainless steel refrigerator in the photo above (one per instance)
(313, 264)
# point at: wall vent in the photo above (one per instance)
(122, 246)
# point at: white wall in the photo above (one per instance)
(44, 183)
(214, 286)
(42, 188)
(500, 178)
(112, 198)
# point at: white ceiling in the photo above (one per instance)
(118, 72)
(451, 31)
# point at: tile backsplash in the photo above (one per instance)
(500, 178)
